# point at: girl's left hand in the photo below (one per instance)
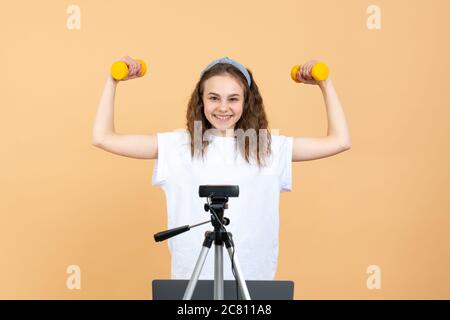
(304, 73)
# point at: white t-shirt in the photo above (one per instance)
(254, 214)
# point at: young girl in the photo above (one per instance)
(225, 108)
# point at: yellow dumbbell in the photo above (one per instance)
(319, 71)
(119, 69)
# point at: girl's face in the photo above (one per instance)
(223, 100)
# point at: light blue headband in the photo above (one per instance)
(232, 62)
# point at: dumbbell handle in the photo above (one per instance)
(319, 72)
(119, 69)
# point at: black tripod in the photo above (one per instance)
(217, 203)
(220, 237)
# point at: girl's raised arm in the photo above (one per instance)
(338, 136)
(139, 146)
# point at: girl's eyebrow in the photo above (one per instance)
(231, 95)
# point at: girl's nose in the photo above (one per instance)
(223, 106)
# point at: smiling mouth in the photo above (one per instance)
(222, 117)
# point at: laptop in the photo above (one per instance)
(204, 290)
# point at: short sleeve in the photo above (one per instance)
(285, 163)
(160, 169)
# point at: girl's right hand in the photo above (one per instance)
(134, 67)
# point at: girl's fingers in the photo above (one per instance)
(133, 66)
(128, 61)
(304, 75)
(309, 72)
(308, 67)
(306, 72)
(138, 68)
(300, 76)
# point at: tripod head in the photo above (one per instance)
(217, 201)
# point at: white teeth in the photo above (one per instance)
(222, 117)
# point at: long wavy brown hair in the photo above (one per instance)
(253, 115)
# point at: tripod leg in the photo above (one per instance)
(218, 272)
(196, 273)
(241, 281)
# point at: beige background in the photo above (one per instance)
(385, 202)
